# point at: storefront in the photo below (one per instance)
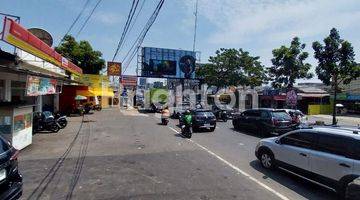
(31, 79)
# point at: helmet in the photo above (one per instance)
(187, 112)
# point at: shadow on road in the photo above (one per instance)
(247, 133)
(299, 185)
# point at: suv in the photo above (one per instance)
(326, 155)
(201, 119)
(264, 121)
(10, 178)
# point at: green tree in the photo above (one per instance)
(289, 64)
(82, 54)
(232, 67)
(336, 63)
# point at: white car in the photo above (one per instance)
(327, 156)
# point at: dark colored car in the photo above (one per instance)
(222, 112)
(203, 119)
(10, 177)
(264, 121)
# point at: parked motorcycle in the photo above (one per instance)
(45, 121)
(221, 113)
(97, 107)
(186, 131)
(87, 108)
(61, 120)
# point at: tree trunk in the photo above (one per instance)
(334, 122)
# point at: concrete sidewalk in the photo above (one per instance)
(342, 120)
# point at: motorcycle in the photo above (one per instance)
(45, 121)
(186, 131)
(61, 120)
(164, 121)
(97, 107)
(87, 108)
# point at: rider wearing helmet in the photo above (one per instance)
(187, 118)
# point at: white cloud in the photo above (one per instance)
(238, 22)
(108, 18)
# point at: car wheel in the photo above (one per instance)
(212, 129)
(267, 159)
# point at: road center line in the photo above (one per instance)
(237, 169)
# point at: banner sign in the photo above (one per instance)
(128, 80)
(113, 69)
(291, 98)
(15, 34)
(36, 86)
(167, 63)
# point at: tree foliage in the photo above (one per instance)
(336, 63)
(289, 64)
(232, 67)
(336, 60)
(82, 54)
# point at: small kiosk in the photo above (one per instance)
(16, 124)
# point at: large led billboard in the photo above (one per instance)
(167, 63)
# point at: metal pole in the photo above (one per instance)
(195, 25)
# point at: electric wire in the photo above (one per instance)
(74, 22)
(88, 18)
(136, 45)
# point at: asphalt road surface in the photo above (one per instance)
(117, 154)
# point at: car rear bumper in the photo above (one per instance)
(13, 192)
(205, 124)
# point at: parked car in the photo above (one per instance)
(10, 177)
(202, 119)
(264, 121)
(329, 156)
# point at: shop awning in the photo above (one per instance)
(312, 95)
(92, 92)
(105, 93)
(87, 93)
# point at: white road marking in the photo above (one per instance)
(281, 196)
(174, 129)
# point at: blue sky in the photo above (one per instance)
(257, 26)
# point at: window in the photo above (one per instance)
(282, 115)
(357, 149)
(265, 115)
(253, 113)
(299, 139)
(334, 144)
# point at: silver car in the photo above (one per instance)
(325, 155)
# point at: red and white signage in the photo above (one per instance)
(15, 34)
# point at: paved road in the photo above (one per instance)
(128, 155)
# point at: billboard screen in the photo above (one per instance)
(167, 63)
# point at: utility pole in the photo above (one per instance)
(195, 24)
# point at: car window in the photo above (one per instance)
(334, 144)
(280, 115)
(356, 149)
(205, 113)
(264, 114)
(299, 139)
(4, 146)
(253, 113)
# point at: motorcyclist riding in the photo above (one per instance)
(186, 129)
(165, 114)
